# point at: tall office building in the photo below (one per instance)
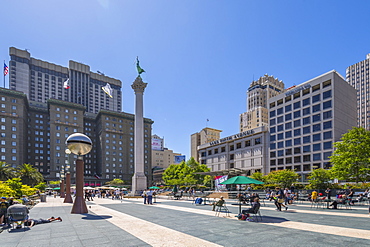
(41, 81)
(358, 76)
(306, 120)
(257, 96)
(204, 136)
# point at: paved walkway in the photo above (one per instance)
(180, 223)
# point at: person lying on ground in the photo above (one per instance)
(32, 222)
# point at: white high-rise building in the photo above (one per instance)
(358, 76)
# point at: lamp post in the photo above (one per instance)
(79, 144)
(68, 197)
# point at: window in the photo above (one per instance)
(316, 137)
(288, 116)
(257, 141)
(306, 111)
(327, 135)
(273, 154)
(288, 134)
(273, 130)
(272, 122)
(297, 141)
(14, 128)
(297, 132)
(316, 87)
(306, 149)
(316, 147)
(306, 120)
(326, 115)
(306, 102)
(306, 139)
(326, 94)
(316, 108)
(327, 125)
(272, 146)
(297, 114)
(238, 145)
(272, 162)
(288, 125)
(316, 118)
(288, 143)
(297, 150)
(288, 151)
(326, 155)
(316, 157)
(272, 113)
(280, 153)
(280, 127)
(280, 136)
(279, 111)
(280, 119)
(288, 160)
(288, 108)
(14, 136)
(297, 159)
(280, 144)
(297, 105)
(327, 145)
(306, 158)
(326, 105)
(297, 123)
(315, 98)
(280, 161)
(247, 143)
(316, 127)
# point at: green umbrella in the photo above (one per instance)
(57, 188)
(154, 188)
(241, 180)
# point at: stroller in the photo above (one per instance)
(17, 214)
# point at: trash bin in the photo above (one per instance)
(43, 198)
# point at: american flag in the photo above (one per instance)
(6, 69)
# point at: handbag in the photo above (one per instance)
(280, 200)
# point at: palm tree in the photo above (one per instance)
(29, 175)
(6, 171)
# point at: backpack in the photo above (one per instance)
(198, 200)
(242, 217)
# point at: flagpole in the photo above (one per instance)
(4, 73)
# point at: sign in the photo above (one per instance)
(230, 138)
(218, 181)
(179, 159)
(157, 144)
(295, 90)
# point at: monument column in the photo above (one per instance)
(139, 181)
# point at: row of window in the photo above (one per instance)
(238, 145)
(303, 149)
(297, 132)
(298, 141)
(12, 100)
(300, 159)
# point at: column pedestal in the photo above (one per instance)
(68, 198)
(79, 205)
(62, 194)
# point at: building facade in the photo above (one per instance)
(257, 96)
(35, 133)
(358, 76)
(246, 151)
(206, 135)
(306, 120)
(41, 80)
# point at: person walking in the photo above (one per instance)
(150, 197)
(144, 195)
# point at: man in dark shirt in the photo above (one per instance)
(3, 208)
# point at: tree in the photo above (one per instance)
(29, 175)
(351, 160)
(15, 185)
(116, 181)
(6, 171)
(258, 176)
(319, 179)
(184, 174)
(285, 178)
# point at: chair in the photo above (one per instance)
(222, 208)
(256, 214)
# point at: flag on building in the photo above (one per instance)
(66, 84)
(139, 69)
(6, 69)
(108, 90)
(96, 176)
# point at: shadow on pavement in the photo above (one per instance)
(270, 219)
(96, 217)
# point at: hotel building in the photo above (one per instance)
(247, 152)
(358, 75)
(306, 120)
(206, 135)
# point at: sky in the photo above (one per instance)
(199, 56)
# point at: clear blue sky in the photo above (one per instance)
(200, 56)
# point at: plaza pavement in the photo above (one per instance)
(180, 223)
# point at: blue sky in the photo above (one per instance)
(200, 56)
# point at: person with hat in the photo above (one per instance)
(3, 208)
